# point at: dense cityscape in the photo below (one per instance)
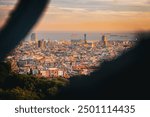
(64, 58)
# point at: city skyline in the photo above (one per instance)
(89, 15)
(55, 59)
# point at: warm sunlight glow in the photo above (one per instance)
(89, 15)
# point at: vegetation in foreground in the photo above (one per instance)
(26, 87)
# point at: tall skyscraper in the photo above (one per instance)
(85, 38)
(34, 37)
(93, 45)
(42, 44)
(105, 41)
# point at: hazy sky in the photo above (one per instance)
(89, 15)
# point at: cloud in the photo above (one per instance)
(8, 2)
(6, 6)
(114, 5)
(73, 14)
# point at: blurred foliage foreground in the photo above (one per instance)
(26, 87)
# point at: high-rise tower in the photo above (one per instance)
(105, 41)
(34, 37)
(42, 44)
(85, 37)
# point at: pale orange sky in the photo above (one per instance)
(125, 23)
(96, 15)
(89, 15)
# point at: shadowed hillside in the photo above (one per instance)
(26, 87)
(127, 77)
